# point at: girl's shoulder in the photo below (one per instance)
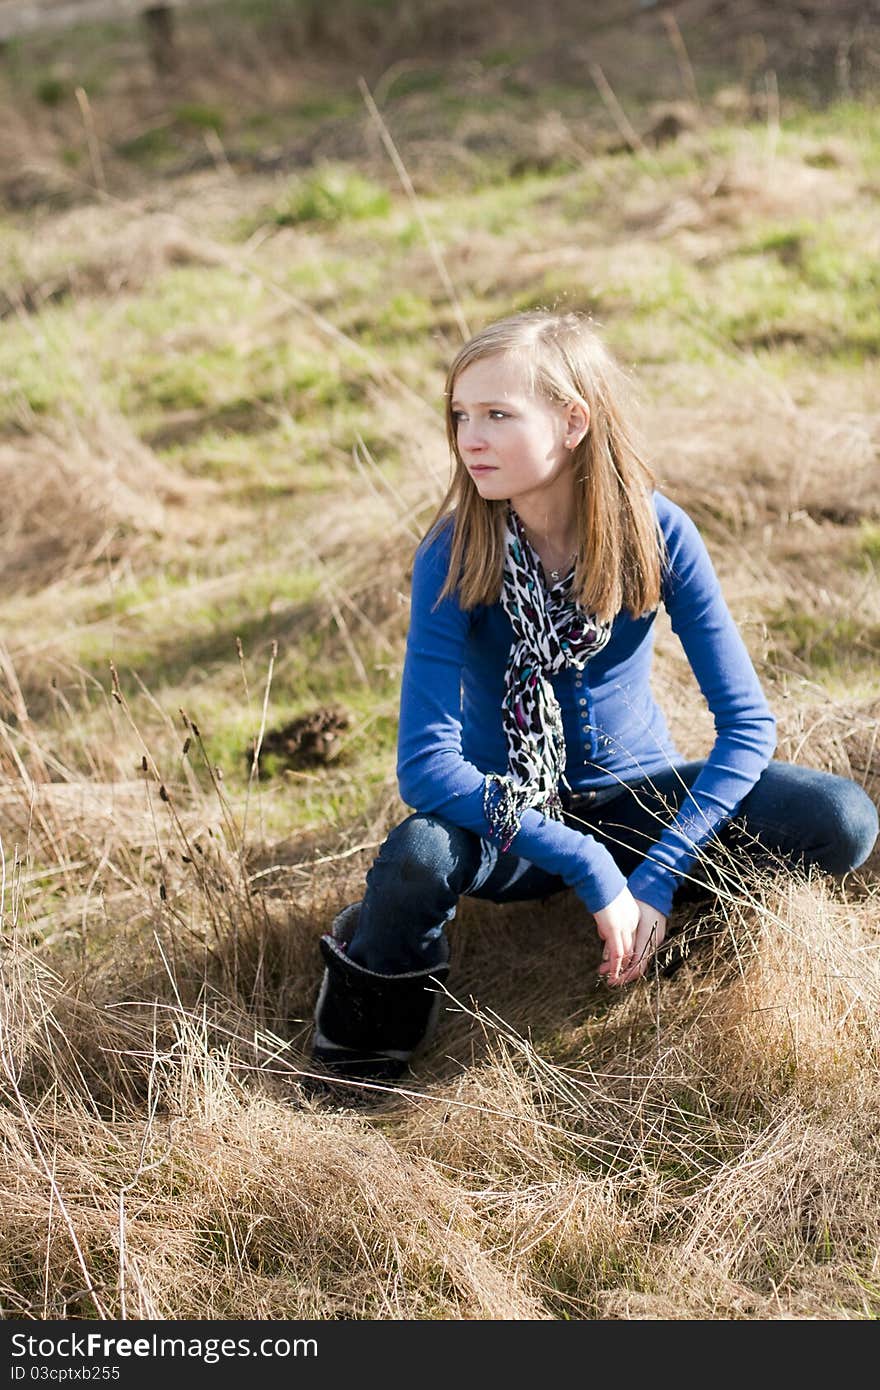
(438, 535)
(677, 528)
(670, 516)
(430, 567)
(435, 547)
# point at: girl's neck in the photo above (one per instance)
(551, 535)
(549, 515)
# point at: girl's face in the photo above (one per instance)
(514, 445)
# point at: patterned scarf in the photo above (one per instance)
(550, 632)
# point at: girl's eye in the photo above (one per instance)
(459, 415)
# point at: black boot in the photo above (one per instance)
(368, 1025)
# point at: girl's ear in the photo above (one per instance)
(577, 423)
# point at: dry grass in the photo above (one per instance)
(84, 492)
(703, 1147)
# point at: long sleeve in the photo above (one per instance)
(433, 774)
(744, 727)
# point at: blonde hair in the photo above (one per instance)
(620, 549)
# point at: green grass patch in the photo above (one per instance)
(502, 206)
(283, 460)
(406, 314)
(184, 353)
(290, 377)
(52, 91)
(417, 79)
(150, 147)
(811, 286)
(160, 144)
(330, 194)
(42, 369)
(259, 130)
(199, 116)
(867, 542)
(324, 106)
(855, 123)
(836, 645)
(183, 620)
(209, 300)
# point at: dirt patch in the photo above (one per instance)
(310, 740)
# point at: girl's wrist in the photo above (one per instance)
(653, 888)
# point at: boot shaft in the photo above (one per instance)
(367, 1025)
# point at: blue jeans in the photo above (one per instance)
(793, 816)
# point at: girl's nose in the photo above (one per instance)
(470, 437)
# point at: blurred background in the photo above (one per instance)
(469, 85)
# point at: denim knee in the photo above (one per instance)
(425, 851)
(811, 817)
(412, 891)
(852, 826)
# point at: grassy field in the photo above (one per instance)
(226, 318)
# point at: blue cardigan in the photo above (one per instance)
(450, 718)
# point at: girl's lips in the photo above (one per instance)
(481, 468)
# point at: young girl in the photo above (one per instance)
(531, 747)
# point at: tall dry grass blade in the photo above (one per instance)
(22, 716)
(774, 125)
(618, 115)
(217, 152)
(253, 775)
(362, 455)
(407, 183)
(94, 147)
(682, 57)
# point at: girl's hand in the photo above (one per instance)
(618, 925)
(632, 931)
(648, 938)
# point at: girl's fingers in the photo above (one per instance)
(617, 925)
(616, 959)
(649, 938)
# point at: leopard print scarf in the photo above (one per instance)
(550, 632)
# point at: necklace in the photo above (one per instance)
(556, 575)
(553, 575)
